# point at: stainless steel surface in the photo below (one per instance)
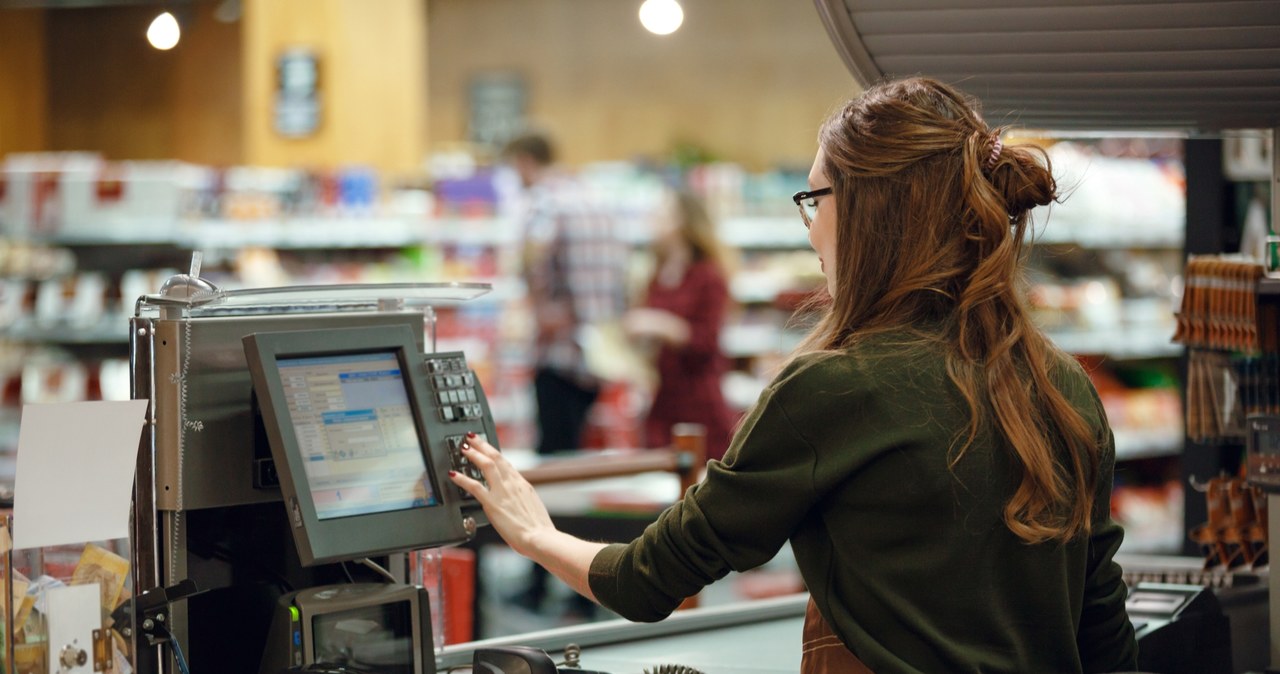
(1197, 65)
(314, 298)
(198, 445)
(143, 533)
(749, 637)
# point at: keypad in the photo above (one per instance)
(455, 389)
(460, 462)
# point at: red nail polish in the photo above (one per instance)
(471, 434)
(465, 445)
(453, 473)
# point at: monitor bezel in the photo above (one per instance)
(321, 541)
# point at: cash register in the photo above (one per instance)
(363, 431)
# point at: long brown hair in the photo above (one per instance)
(932, 215)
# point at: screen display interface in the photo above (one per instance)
(375, 639)
(356, 430)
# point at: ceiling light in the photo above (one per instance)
(661, 17)
(164, 32)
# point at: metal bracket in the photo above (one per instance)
(103, 653)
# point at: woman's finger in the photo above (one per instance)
(485, 462)
(482, 445)
(470, 485)
(486, 457)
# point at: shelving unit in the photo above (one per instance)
(778, 267)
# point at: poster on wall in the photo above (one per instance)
(297, 104)
(497, 108)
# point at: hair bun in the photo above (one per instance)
(1024, 178)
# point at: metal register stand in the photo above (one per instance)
(201, 480)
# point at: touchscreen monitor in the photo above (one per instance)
(358, 450)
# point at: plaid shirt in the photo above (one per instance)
(574, 267)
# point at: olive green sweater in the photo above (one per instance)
(909, 561)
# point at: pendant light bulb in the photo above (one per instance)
(661, 17)
(163, 33)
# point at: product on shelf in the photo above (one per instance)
(1231, 370)
(1235, 535)
(1151, 514)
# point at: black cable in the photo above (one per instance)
(177, 648)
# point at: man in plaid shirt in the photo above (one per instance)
(574, 267)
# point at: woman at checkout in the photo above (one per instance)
(942, 471)
(680, 318)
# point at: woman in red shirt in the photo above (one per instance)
(680, 318)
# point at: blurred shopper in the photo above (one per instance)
(681, 315)
(574, 268)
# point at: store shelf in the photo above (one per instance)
(1158, 236)
(1134, 444)
(387, 232)
(1120, 343)
(746, 341)
(769, 232)
(110, 329)
(740, 341)
(783, 232)
(300, 233)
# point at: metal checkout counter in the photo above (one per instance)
(300, 437)
(291, 432)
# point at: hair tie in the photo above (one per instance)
(995, 155)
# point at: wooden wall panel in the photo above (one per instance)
(111, 92)
(208, 120)
(23, 89)
(748, 80)
(372, 81)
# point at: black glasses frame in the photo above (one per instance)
(801, 196)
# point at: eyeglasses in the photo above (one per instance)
(808, 204)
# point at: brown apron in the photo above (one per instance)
(823, 652)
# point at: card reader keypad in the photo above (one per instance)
(459, 403)
(460, 462)
(454, 387)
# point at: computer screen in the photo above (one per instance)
(361, 449)
(378, 628)
(359, 441)
(370, 638)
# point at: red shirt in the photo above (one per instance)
(689, 375)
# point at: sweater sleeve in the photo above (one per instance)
(1106, 636)
(736, 519)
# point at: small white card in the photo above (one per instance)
(76, 464)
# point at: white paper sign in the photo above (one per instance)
(75, 471)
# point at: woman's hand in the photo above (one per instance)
(519, 516)
(657, 324)
(513, 507)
